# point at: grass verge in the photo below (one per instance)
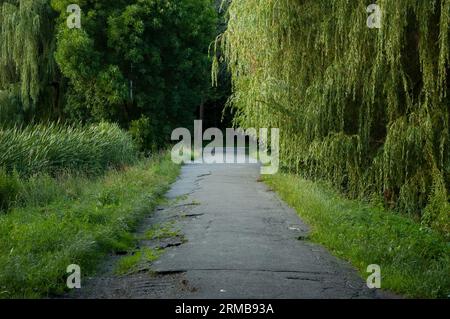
(414, 260)
(75, 220)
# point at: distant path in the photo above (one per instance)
(242, 241)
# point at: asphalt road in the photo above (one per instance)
(239, 241)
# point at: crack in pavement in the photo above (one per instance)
(245, 270)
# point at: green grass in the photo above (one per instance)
(67, 220)
(132, 263)
(414, 260)
(9, 187)
(55, 148)
(161, 231)
(140, 259)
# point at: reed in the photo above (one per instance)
(54, 148)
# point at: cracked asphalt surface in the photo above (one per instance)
(239, 241)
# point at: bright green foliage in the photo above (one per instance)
(142, 131)
(137, 58)
(130, 59)
(367, 109)
(138, 260)
(54, 148)
(161, 231)
(27, 66)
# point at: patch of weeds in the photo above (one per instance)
(178, 200)
(109, 197)
(161, 231)
(137, 261)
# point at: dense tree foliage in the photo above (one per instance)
(142, 63)
(367, 109)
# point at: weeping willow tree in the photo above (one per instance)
(27, 69)
(367, 109)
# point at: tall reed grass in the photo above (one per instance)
(54, 148)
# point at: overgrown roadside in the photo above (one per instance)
(130, 274)
(81, 221)
(414, 260)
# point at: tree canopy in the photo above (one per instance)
(131, 60)
(367, 109)
(27, 67)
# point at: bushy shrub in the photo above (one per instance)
(142, 132)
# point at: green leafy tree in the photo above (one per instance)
(367, 109)
(29, 79)
(137, 59)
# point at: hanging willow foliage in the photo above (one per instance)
(26, 50)
(367, 109)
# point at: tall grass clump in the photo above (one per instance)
(367, 109)
(55, 148)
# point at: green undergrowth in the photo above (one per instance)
(133, 262)
(57, 222)
(414, 259)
